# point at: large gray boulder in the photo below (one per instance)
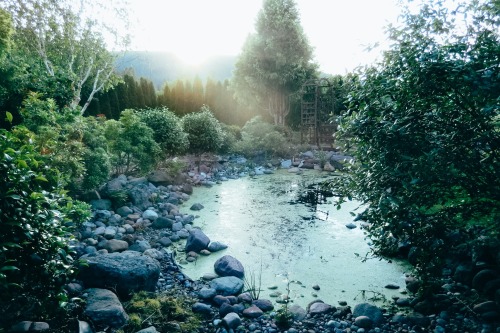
(125, 272)
(104, 308)
(370, 311)
(140, 196)
(227, 285)
(197, 240)
(229, 266)
(162, 177)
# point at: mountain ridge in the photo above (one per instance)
(166, 67)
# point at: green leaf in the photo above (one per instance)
(9, 268)
(41, 178)
(9, 117)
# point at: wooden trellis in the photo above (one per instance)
(317, 108)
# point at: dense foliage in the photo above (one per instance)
(131, 144)
(167, 130)
(275, 61)
(425, 126)
(65, 47)
(34, 252)
(260, 138)
(203, 131)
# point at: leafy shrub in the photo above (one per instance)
(97, 167)
(230, 135)
(262, 138)
(424, 123)
(174, 167)
(38, 112)
(167, 129)
(34, 255)
(203, 130)
(131, 144)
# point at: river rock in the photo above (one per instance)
(370, 311)
(232, 320)
(320, 308)
(126, 272)
(150, 215)
(162, 222)
(177, 226)
(165, 241)
(207, 293)
(482, 277)
(104, 309)
(197, 206)
(298, 312)
(201, 308)
(227, 285)
(29, 326)
(252, 312)
(140, 196)
(124, 211)
(196, 241)
(115, 245)
(216, 246)
(264, 304)
(363, 322)
(229, 266)
(162, 177)
(140, 246)
(110, 232)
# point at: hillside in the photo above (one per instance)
(161, 67)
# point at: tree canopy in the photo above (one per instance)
(275, 61)
(425, 126)
(66, 45)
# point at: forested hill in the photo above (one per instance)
(161, 67)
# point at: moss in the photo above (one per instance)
(166, 311)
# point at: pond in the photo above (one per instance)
(280, 240)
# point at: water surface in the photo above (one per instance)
(281, 240)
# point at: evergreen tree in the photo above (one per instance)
(275, 61)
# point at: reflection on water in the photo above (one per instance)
(263, 224)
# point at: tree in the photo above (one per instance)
(203, 130)
(69, 43)
(5, 32)
(131, 144)
(425, 124)
(275, 61)
(166, 128)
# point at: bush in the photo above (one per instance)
(34, 255)
(131, 144)
(425, 126)
(230, 135)
(167, 130)
(262, 138)
(203, 131)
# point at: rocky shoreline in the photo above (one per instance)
(133, 246)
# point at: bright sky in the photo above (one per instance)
(339, 30)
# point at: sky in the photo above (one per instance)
(338, 30)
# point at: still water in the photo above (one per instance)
(281, 240)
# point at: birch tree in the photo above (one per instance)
(73, 41)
